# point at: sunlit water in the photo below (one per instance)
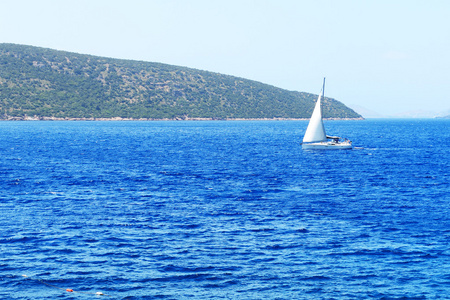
(224, 210)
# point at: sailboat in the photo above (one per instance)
(315, 136)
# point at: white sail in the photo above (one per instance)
(316, 131)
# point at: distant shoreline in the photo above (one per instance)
(26, 118)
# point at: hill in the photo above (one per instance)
(45, 83)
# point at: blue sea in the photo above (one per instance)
(224, 210)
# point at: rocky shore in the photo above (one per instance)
(36, 118)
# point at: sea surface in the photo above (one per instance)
(224, 210)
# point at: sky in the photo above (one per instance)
(388, 56)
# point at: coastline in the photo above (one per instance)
(27, 118)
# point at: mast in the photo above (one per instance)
(323, 88)
(323, 97)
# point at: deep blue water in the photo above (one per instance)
(224, 210)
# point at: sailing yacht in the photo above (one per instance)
(315, 136)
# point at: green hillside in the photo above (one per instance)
(39, 82)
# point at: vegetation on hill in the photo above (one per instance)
(39, 82)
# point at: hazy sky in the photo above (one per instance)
(388, 56)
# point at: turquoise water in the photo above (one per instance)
(224, 210)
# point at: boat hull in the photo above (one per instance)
(327, 146)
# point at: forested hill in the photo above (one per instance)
(45, 83)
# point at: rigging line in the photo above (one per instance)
(63, 289)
